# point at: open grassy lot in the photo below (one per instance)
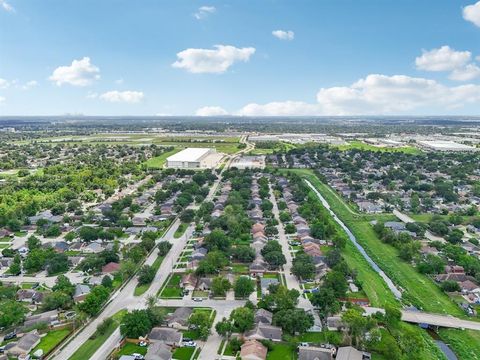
(360, 145)
(130, 348)
(465, 343)
(181, 230)
(89, 347)
(157, 162)
(183, 353)
(282, 351)
(51, 340)
(172, 288)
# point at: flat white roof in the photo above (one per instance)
(189, 154)
(446, 144)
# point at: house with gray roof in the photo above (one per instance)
(265, 332)
(158, 351)
(179, 318)
(314, 353)
(168, 336)
(23, 346)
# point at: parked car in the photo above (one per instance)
(197, 299)
(138, 356)
(10, 336)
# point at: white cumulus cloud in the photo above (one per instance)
(211, 111)
(122, 96)
(79, 73)
(458, 63)
(29, 84)
(442, 59)
(216, 60)
(375, 94)
(472, 13)
(284, 34)
(204, 11)
(6, 6)
(468, 72)
(280, 108)
(4, 84)
(2, 100)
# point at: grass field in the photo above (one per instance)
(282, 351)
(172, 288)
(51, 340)
(183, 353)
(157, 162)
(465, 343)
(89, 347)
(130, 348)
(360, 145)
(181, 230)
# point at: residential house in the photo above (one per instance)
(168, 336)
(253, 350)
(265, 332)
(179, 318)
(158, 351)
(29, 295)
(46, 317)
(263, 316)
(350, 353)
(188, 282)
(81, 292)
(204, 284)
(23, 346)
(266, 282)
(314, 353)
(110, 268)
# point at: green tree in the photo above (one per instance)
(326, 302)
(303, 266)
(135, 324)
(224, 328)
(243, 287)
(243, 319)
(146, 274)
(200, 321)
(293, 320)
(94, 300)
(164, 247)
(220, 285)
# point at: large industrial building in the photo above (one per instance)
(194, 158)
(445, 145)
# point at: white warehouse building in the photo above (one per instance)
(194, 158)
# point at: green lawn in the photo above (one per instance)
(140, 289)
(183, 353)
(360, 145)
(282, 352)
(130, 348)
(228, 350)
(90, 346)
(172, 288)
(51, 340)
(239, 268)
(157, 162)
(464, 343)
(181, 230)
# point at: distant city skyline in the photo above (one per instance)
(247, 58)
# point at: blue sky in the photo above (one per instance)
(337, 57)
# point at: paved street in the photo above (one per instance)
(291, 280)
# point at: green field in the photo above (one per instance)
(180, 230)
(183, 353)
(465, 343)
(89, 347)
(130, 348)
(360, 145)
(157, 162)
(282, 351)
(51, 340)
(172, 288)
